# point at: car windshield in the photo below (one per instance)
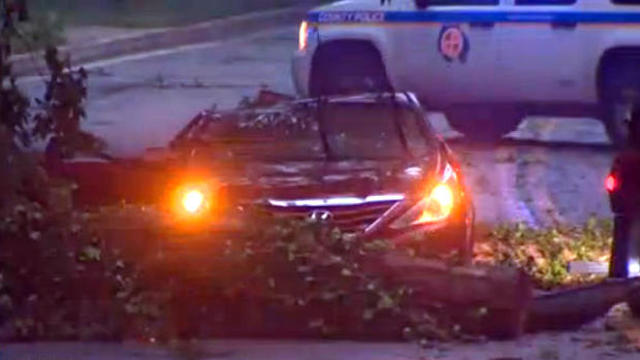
(333, 131)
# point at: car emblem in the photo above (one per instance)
(321, 216)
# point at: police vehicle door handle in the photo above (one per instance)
(482, 24)
(566, 25)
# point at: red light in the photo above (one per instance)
(611, 183)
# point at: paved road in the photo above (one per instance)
(590, 343)
(549, 170)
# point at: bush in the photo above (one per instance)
(37, 235)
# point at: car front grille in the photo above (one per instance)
(349, 218)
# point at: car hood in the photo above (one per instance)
(257, 181)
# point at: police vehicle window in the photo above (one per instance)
(545, 2)
(364, 131)
(463, 2)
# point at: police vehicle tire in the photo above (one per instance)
(634, 303)
(620, 89)
(348, 67)
(615, 123)
(484, 124)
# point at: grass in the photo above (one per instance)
(151, 13)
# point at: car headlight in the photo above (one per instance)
(193, 201)
(437, 204)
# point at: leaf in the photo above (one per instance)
(90, 254)
(336, 234)
(385, 301)
(329, 295)
(316, 323)
(119, 265)
(6, 302)
(368, 314)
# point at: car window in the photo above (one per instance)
(270, 136)
(463, 2)
(418, 138)
(545, 2)
(369, 130)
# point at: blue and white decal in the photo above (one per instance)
(349, 17)
(390, 17)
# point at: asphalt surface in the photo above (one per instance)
(550, 170)
(590, 343)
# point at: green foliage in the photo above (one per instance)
(14, 106)
(58, 114)
(546, 253)
(312, 278)
(306, 276)
(61, 110)
(42, 249)
(41, 274)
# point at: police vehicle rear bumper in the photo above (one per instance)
(301, 72)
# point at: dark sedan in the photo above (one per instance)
(368, 164)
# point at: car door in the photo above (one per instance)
(541, 52)
(447, 51)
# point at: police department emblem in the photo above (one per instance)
(453, 43)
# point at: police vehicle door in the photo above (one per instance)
(448, 52)
(540, 52)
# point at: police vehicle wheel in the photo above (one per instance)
(616, 122)
(620, 89)
(348, 68)
(484, 124)
(620, 249)
(634, 303)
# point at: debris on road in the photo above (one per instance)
(621, 320)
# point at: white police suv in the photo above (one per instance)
(486, 63)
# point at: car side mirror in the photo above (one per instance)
(422, 4)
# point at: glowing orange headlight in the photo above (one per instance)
(303, 36)
(193, 201)
(437, 206)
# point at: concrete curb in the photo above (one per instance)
(32, 64)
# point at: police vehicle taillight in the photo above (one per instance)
(303, 39)
(611, 183)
